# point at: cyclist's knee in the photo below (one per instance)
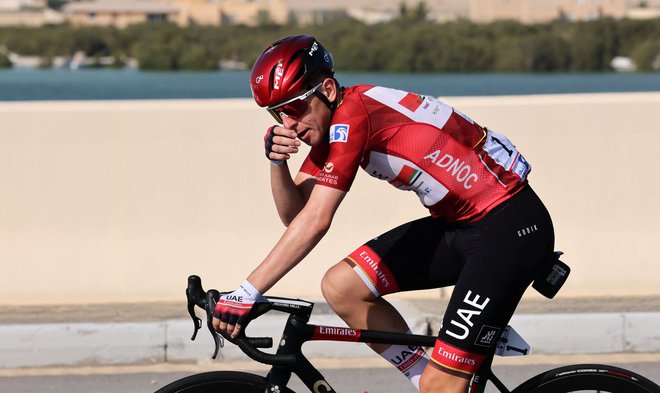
(341, 285)
(434, 380)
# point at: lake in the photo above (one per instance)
(126, 84)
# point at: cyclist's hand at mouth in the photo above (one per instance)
(232, 309)
(280, 143)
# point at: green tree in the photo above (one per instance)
(419, 12)
(646, 55)
(409, 43)
(263, 18)
(196, 58)
(4, 61)
(594, 44)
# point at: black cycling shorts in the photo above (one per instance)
(490, 262)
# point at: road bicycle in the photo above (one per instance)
(289, 358)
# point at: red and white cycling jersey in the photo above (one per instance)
(458, 169)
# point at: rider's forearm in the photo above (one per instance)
(289, 199)
(304, 233)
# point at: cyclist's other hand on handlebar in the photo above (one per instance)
(280, 143)
(231, 311)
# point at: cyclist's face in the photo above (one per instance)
(312, 127)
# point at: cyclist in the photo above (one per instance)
(487, 233)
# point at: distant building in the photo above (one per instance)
(538, 11)
(253, 12)
(370, 12)
(119, 13)
(17, 5)
(643, 12)
(29, 13)
(197, 12)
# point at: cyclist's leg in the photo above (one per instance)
(434, 380)
(354, 303)
(399, 260)
(502, 253)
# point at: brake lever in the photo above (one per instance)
(196, 321)
(212, 297)
(193, 292)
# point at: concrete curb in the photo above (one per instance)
(94, 344)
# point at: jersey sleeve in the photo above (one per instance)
(315, 160)
(348, 137)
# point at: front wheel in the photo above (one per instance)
(588, 378)
(219, 382)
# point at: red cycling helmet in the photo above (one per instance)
(287, 68)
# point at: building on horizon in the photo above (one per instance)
(540, 11)
(121, 13)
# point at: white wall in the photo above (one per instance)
(119, 201)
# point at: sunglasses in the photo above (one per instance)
(294, 108)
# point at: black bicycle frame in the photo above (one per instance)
(289, 358)
(297, 331)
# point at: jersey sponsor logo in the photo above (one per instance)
(487, 336)
(526, 231)
(456, 359)
(444, 354)
(364, 255)
(328, 167)
(460, 170)
(328, 178)
(460, 328)
(367, 264)
(407, 358)
(405, 175)
(412, 101)
(339, 133)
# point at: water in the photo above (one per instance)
(110, 84)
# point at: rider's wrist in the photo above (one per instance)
(277, 162)
(249, 290)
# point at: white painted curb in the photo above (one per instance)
(92, 344)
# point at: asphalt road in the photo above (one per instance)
(354, 377)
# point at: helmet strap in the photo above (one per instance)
(331, 105)
(325, 99)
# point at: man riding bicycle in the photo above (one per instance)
(487, 233)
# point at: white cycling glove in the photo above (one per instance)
(234, 307)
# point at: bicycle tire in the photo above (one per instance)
(588, 378)
(219, 382)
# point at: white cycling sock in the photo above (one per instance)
(410, 360)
